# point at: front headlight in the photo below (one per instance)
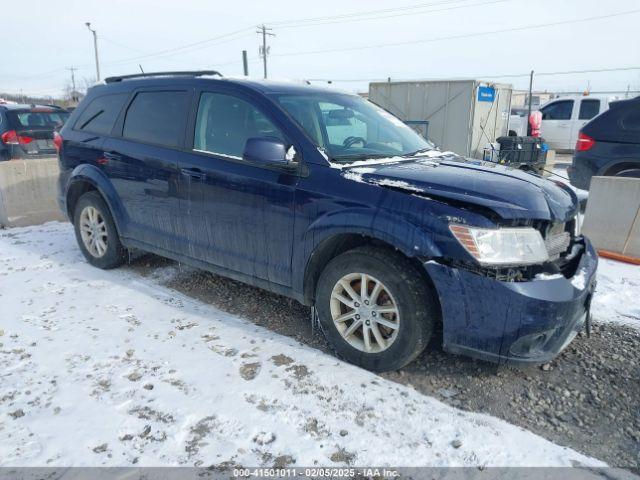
(502, 246)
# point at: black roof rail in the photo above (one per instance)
(195, 73)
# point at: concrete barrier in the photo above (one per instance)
(612, 219)
(28, 191)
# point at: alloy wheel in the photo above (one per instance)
(93, 231)
(364, 312)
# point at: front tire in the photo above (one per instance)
(375, 308)
(96, 232)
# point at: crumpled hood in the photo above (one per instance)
(511, 193)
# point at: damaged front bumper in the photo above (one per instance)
(526, 322)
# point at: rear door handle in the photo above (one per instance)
(193, 173)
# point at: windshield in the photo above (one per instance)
(348, 127)
(38, 118)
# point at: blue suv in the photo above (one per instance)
(328, 199)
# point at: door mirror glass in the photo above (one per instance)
(265, 151)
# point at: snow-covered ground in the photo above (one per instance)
(109, 368)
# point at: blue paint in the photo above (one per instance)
(486, 94)
(265, 222)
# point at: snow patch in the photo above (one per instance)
(137, 373)
(548, 276)
(388, 182)
(579, 280)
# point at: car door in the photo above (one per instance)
(239, 215)
(141, 160)
(556, 124)
(589, 108)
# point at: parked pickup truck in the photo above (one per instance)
(564, 117)
(324, 197)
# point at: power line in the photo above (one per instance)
(384, 17)
(460, 36)
(182, 48)
(206, 43)
(363, 13)
(474, 77)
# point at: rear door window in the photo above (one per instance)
(157, 117)
(101, 114)
(589, 109)
(558, 110)
(225, 123)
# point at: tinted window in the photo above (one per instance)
(558, 110)
(101, 114)
(225, 123)
(631, 121)
(589, 109)
(156, 117)
(36, 118)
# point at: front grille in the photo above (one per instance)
(557, 238)
(557, 244)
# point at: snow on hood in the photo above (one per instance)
(380, 161)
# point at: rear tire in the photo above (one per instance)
(397, 309)
(96, 232)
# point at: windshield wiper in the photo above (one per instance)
(359, 156)
(417, 152)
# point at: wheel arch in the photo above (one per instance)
(338, 242)
(619, 166)
(86, 178)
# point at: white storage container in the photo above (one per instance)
(463, 115)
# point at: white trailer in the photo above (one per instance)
(462, 115)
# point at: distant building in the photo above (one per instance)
(520, 98)
(74, 98)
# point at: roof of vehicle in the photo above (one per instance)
(262, 86)
(25, 106)
(610, 126)
(577, 96)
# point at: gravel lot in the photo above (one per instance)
(588, 398)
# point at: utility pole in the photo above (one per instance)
(264, 50)
(530, 100)
(73, 78)
(245, 63)
(95, 48)
(73, 97)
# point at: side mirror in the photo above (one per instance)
(265, 151)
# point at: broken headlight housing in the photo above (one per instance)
(502, 246)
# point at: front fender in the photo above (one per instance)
(94, 176)
(395, 231)
(403, 235)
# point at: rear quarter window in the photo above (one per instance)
(631, 120)
(101, 114)
(157, 117)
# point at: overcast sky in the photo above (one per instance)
(39, 43)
